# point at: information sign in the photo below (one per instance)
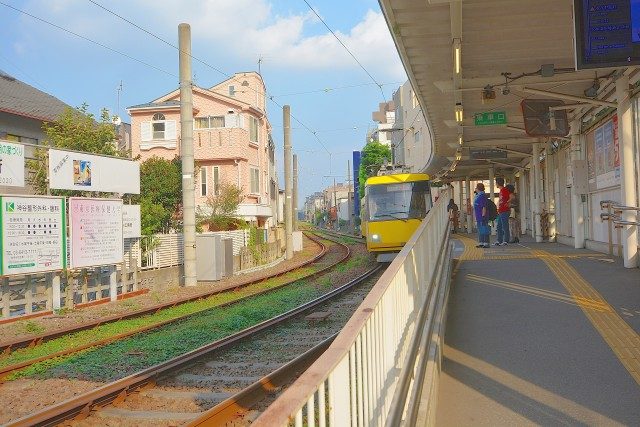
(11, 164)
(70, 170)
(96, 232)
(486, 153)
(131, 225)
(33, 234)
(491, 118)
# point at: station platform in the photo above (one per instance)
(540, 334)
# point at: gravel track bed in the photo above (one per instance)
(202, 386)
(25, 328)
(46, 387)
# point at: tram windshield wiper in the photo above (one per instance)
(391, 215)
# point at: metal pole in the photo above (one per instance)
(537, 193)
(577, 211)
(186, 151)
(627, 173)
(288, 220)
(492, 173)
(294, 212)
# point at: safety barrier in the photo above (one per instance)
(375, 371)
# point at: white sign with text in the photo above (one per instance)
(69, 170)
(96, 232)
(33, 234)
(11, 164)
(131, 221)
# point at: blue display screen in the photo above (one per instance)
(607, 33)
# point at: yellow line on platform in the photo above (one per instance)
(597, 305)
(620, 337)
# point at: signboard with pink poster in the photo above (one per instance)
(96, 232)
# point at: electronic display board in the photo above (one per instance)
(607, 33)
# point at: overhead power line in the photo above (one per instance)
(347, 49)
(88, 39)
(228, 76)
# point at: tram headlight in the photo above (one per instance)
(375, 238)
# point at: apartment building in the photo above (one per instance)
(412, 141)
(231, 141)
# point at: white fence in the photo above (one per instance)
(369, 374)
(166, 250)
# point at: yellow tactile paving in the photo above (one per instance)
(620, 337)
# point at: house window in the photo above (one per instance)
(216, 180)
(416, 137)
(232, 91)
(253, 129)
(255, 180)
(158, 125)
(209, 122)
(203, 181)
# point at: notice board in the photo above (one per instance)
(96, 232)
(33, 234)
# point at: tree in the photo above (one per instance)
(222, 208)
(373, 155)
(75, 129)
(160, 194)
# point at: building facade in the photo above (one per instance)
(412, 140)
(232, 142)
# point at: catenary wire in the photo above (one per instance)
(347, 49)
(88, 39)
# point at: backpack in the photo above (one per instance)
(492, 210)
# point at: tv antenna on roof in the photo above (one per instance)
(119, 89)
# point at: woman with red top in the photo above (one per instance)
(503, 214)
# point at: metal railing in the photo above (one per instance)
(614, 219)
(390, 349)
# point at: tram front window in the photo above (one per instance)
(408, 200)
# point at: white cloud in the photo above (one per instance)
(242, 29)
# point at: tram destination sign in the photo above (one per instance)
(490, 118)
(486, 153)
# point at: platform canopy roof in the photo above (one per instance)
(453, 49)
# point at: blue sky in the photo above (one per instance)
(298, 52)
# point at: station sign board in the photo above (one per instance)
(69, 170)
(33, 235)
(96, 231)
(490, 118)
(486, 154)
(131, 222)
(11, 164)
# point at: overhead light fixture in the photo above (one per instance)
(458, 155)
(488, 93)
(457, 56)
(460, 140)
(459, 112)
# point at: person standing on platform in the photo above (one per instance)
(514, 215)
(453, 211)
(481, 213)
(503, 214)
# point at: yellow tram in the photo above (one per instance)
(394, 206)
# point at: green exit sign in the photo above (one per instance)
(491, 118)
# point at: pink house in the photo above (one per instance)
(231, 137)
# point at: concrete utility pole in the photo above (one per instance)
(295, 193)
(186, 149)
(288, 220)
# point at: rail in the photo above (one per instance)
(612, 215)
(364, 377)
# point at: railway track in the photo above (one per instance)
(32, 342)
(226, 382)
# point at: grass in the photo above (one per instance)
(108, 330)
(127, 356)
